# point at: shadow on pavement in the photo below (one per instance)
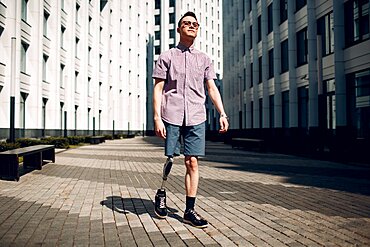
(297, 170)
(136, 206)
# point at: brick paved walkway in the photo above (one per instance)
(101, 195)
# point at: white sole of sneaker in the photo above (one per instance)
(160, 216)
(190, 223)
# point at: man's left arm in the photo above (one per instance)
(215, 96)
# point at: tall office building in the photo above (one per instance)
(298, 71)
(73, 67)
(209, 40)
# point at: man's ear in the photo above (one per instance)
(178, 30)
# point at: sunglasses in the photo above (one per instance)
(189, 23)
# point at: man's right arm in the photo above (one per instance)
(159, 127)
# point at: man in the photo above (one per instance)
(179, 110)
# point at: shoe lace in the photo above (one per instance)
(196, 215)
(162, 203)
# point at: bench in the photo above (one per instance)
(97, 139)
(249, 143)
(33, 156)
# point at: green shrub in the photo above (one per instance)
(75, 140)
(108, 137)
(8, 146)
(58, 142)
(25, 142)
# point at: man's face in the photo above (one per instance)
(189, 27)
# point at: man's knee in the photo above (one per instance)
(191, 163)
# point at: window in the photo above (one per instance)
(44, 67)
(243, 10)
(77, 12)
(157, 20)
(285, 109)
(24, 10)
(283, 10)
(251, 37)
(90, 25)
(76, 108)
(61, 116)
(358, 103)
(325, 28)
(329, 91)
(100, 86)
(259, 69)
(356, 21)
(157, 35)
(76, 81)
(88, 120)
(62, 32)
(269, 19)
(272, 111)
(77, 46)
(45, 24)
(284, 56)
(259, 30)
(22, 113)
(24, 48)
(251, 70)
(89, 55)
(172, 33)
(44, 101)
(61, 76)
(271, 63)
(172, 18)
(260, 112)
(172, 3)
(302, 47)
(157, 4)
(157, 49)
(300, 4)
(303, 107)
(62, 4)
(88, 86)
(243, 44)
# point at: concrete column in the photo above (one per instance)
(277, 63)
(265, 66)
(292, 49)
(255, 64)
(340, 82)
(312, 67)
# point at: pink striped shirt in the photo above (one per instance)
(184, 71)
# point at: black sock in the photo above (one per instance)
(190, 202)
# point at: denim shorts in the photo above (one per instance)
(193, 138)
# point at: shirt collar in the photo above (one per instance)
(184, 48)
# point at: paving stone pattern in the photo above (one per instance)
(102, 195)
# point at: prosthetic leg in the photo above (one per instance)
(166, 171)
(160, 207)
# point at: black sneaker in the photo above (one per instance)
(160, 207)
(193, 218)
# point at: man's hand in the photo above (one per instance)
(224, 124)
(160, 129)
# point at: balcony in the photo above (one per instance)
(61, 94)
(64, 18)
(2, 74)
(2, 14)
(46, 45)
(77, 64)
(45, 89)
(89, 70)
(63, 55)
(89, 101)
(24, 82)
(77, 98)
(47, 5)
(78, 30)
(26, 31)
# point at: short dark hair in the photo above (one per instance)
(189, 13)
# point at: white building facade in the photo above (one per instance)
(73, 67)
(297, 72)
(209, 14)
